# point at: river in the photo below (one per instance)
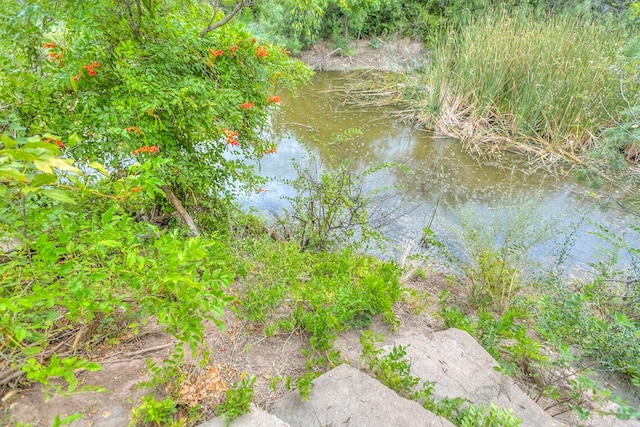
(442, 182)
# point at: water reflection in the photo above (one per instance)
(441, 176)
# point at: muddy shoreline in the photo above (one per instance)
(395, 56)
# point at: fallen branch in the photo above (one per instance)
(322, 60)
(182, 212)
(131, 355)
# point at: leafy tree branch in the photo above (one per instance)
(212, 26)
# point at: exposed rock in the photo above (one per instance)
(346, 396)
(257, 417)
(460, 367)
(7, 246)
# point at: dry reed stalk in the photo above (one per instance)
(483, 134)
(373, 89)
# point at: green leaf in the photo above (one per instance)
(91, 366)
(59, 195)
(107, 216)
(50, 136)
(43, 166)
(99, 167)
(67, 420)
(20, 333)
(13, 174)
(8, 141)
(53, 148)
(111, 243)
(29, 189)
(76, 181)
(74, 140)
(43, 179)
(74, 84)
(32, 351)
(64, 165)
(623, 320)
(20, 154)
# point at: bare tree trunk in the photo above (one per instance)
(346, 29)
(184, 215)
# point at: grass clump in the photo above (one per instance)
(530, 83)
(321, 293)
(312, 274)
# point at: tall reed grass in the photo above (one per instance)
(519, 81)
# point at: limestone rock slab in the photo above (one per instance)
(460, 367)
(257, 417)
(345, 396)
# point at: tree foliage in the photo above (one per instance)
(300, 23)
(136, 77)
(159, 100)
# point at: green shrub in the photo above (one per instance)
(558, 332)
(153, 412)
(158, 85)
(80, 274)
(238, 398)
(600, 315)
(322, 293)
(299, 24)
(333, 207)
(493, 247)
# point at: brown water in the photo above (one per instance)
(442, 177)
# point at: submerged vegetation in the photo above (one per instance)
(121, 132)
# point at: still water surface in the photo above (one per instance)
(442, 177)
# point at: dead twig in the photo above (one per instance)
(133, 354)
(320, 63)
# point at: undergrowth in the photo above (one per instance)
(554, 334)
(320, 293)
(494, 246)
(80, 274)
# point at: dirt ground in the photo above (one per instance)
(397, 55)
(242, 350)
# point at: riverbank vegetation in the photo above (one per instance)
(517, 81)
(553, 81)
(122, 125)
(552, 333)
(547, 87)
(86, 283)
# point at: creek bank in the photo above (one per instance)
(243, 348)
(452, 359)
(380, 55)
